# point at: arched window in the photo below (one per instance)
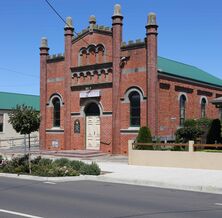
(134, 98)
(182, 109)
(203, 107)
(56, 112)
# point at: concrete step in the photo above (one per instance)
(76, 153)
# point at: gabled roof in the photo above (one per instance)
(9, 101)
(96, 29)
(178, 69)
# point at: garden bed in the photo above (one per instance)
(47, 167)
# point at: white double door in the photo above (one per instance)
(93, 132)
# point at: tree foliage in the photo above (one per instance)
(144, 136)
(193, 129)
(24, 119)
(214, 134)
(190, 131)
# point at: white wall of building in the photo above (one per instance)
(9, 137)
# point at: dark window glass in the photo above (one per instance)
(182, 109)
(203, 107)
(1, 122)
(56, 112)
(134, 98)
(92, 110)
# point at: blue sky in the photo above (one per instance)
(190, 31)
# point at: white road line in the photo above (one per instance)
(19, 214)
(218, 204)
(52, 183)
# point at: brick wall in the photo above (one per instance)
(133, 75)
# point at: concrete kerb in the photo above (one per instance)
(102, 178)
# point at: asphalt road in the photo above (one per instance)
(35, 199)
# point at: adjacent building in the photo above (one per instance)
(8, 101)
(101, 90)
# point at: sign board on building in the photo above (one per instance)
(90, 94)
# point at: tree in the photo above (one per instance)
(25, 120)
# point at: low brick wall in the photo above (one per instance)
(179, 159)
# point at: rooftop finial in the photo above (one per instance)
(151, 19)
(117, 10)
(44, 42)
(92, 22)
(92, 19)
(68, 22)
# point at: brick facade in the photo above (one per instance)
(98, 68)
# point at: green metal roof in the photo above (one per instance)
(10, 100)
(182, 70)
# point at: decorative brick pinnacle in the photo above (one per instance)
(69, 22)
(151, 19)
(117, 10)
(92, 19)
(44, 42)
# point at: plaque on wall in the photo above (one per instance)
(76, 126)
(55, 143)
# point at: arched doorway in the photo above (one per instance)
(92, 113)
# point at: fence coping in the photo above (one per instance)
(162, 144)
(178, 145)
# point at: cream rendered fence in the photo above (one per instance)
(179, 159)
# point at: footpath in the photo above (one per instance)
(116, 170)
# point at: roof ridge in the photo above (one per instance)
(14, 93)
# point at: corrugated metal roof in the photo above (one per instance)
(182, 70)
(10, 100)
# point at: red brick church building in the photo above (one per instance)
(98, 94)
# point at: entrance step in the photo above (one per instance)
(85, 154)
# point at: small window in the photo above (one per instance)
(1, 122)
(134, 98)
(203, 108)
(56, 112)
(182, 109)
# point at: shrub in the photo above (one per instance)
(188, 133)
(144, 136)
(214, 134)
(190, 123)
(47, 167)
(204, 123)
(90, 169)
(36, 160)
(62, 162)
(76, 164)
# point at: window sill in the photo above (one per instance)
(131, 129)
(55, 129)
